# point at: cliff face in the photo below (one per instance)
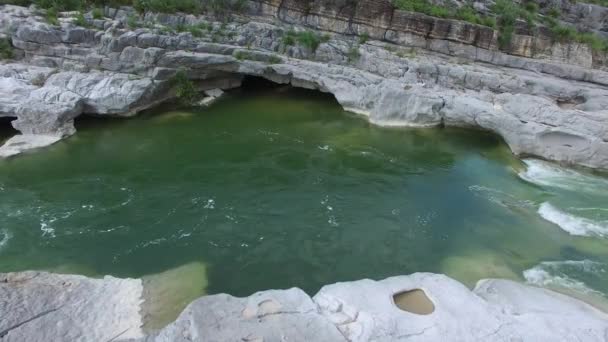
(413, 70)
(382, 21)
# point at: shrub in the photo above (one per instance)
(132, 21)
(79, 20)
(311, 40)
(531, 7)
(363, 38)
(468, 13)
(353, 54)
(489, 22)
(289, 38)
(274, 60)
(596, 43)
(97, 13)
(185, 90)
(507, 14)
(564, 33)
(51, 16)
(438, 11)
(422, 6)
(6, 49)
(554, 12)
(242, 55)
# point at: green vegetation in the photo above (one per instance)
(274, 59)
(132, 21)
(80, 20)
(242, 55)
(353, 54)
(6, 49)
(507, 15)
(309, 39)
(97, 13)
(185, 90)
(554, 12)
(218, 7)
(363, 38)
(51, 16)
(465, 13)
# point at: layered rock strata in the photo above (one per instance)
(414, 71)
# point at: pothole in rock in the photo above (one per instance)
(570, 103)
(414, 301)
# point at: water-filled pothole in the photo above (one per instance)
(414, 301)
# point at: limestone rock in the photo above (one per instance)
(39, 306)
(274, 315)
(542, 315)
(24, 142)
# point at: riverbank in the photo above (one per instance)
(539, 105)
(110, 309)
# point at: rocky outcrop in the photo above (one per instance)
(416, 78)
(41, 307)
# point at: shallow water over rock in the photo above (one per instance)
(280, 188)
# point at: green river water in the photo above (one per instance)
(280, 187)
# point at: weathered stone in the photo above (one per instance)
(38, 306)
(555, 111)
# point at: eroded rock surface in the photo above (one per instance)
(38, 306)
(415, 71)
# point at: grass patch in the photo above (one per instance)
(353, 54)
(363, 38)
(97, 13)
(6, 49)
(274, 59)
(80, 20)
(185, 91)
(51, 16)
(308, 39)
(465, 13)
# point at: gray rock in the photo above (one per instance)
(25, 142)
(38, 306)
(274, 315)
(541, 107)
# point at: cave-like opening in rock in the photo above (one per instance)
(6, 128)
(255, 84)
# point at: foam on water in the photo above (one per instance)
(5, 235)
(499, 197)
(575, 225)
(551, 175)
(555, 274)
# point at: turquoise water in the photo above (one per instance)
(281, 188)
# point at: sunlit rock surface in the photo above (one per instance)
(37, 306)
